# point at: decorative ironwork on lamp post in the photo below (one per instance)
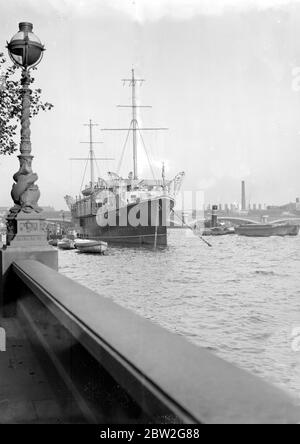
(26, 51)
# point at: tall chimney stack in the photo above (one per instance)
(243, 196)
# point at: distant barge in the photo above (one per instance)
(267, 230)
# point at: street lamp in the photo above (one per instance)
(25, 48)
(26, 51)
(26, 227)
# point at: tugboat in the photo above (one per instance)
(218, 231)
(213, 227)
(130, 210)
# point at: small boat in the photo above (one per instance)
(66, 244)
(53, 242)
(91, 246)
(294, 230)
(218, 231)
(267, 230)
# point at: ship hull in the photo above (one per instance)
(151, 232)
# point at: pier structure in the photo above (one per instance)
(70, 355)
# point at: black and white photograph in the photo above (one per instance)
(149, 215)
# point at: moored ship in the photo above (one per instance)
(128, 210)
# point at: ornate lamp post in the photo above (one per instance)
(26, 51)
(26, 228)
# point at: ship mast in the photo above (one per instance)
(134, 123)
(134, 126)
(91, 159)
(91, 154)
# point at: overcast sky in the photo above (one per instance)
(219, 75)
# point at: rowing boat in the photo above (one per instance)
(91, 246)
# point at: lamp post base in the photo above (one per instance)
(29, 230)
(29, 242)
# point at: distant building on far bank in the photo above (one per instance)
(290, 207)
(49, 209)
(51, 213)
(48, 213)
(3, 213)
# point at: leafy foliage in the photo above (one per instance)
(11, 105)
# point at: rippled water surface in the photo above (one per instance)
(240, 299)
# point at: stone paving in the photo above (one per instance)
(30, 389)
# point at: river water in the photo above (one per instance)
(240, 299)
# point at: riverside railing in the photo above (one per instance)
(168, 378)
